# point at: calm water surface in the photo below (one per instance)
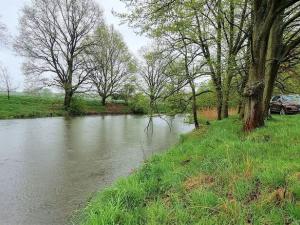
(50, 167)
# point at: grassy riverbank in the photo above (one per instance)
(214, 176)
(27, 106)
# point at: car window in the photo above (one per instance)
(275, 98)
(292, 98)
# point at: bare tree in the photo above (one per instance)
(110, 62)
(6, 82)
(3, 32)
(153, 79)
(53, 39)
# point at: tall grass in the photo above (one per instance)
(216, 175)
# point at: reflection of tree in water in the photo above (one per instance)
(150, 125)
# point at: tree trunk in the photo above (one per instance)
(219, 103)
(225, 107)
(241, 108)
(230, 63)
(8, 94)
(103, 100)
(194, 107)
(254, 91)
(275, 47)
(219, 60)
(226, 87)
(68, 85)
(254, 116)
(68, 98)
(244, 82)
(226, 90)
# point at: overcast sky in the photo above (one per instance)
(10, 13)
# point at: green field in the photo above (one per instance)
(27, 106)
(214, 176)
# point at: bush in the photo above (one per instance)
(139, 104)
(77, 107)
(176, 104)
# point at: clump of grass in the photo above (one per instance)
(215, 176)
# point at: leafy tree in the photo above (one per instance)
(128, 89)
(110, 62)
(266, 34)
(152, 80)
(219, 29)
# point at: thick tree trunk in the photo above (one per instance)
(254, 110)
(68, 98)
(263, 14)
(241, 108)
(68, 86)
(103, 100)
(253, 115)
(275, 46)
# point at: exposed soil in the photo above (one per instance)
(198, 181)
(211, 113)
(116, 108)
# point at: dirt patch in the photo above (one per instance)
(298, 176)
(198, 181)
(167, 200)
(185, 162)
(280, 195)
(115, 108)
(255, 193)
(212, 114)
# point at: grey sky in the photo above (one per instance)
(10, 12)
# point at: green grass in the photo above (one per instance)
(214, 176)
(27, 106)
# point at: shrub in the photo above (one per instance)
(77, 107)
(139, 104)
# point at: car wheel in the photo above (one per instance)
(282, 111)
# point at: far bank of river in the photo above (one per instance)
(40, 106)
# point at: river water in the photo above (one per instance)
(50, 167)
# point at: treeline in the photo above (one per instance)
(244, 46)
(234, 50)
(68, 45)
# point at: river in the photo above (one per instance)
(50, 167)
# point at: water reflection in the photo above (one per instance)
(49, 167)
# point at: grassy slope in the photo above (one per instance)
(215, 176)
(22, 106)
